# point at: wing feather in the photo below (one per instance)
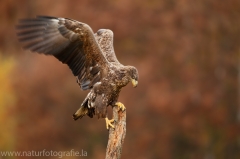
(71, 42)
(104, 39)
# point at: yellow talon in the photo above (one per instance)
(108, 123)
(120, 106)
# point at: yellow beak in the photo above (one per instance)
(134, 83)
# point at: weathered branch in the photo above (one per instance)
(116, 135)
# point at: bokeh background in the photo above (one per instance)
(187, 103)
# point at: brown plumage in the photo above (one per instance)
(90, 56)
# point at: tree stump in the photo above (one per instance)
(116, 135)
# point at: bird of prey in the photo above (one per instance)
(90, 57)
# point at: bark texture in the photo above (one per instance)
(116, 135)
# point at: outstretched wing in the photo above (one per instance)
(70, 41)
(104, 39)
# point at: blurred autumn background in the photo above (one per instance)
(187, 103)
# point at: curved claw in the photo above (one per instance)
(109, 123)
(120, 106)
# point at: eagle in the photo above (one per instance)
(90, 57)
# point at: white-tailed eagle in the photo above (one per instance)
(90, 56)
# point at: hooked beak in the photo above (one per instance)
(134, 83)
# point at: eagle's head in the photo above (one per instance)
(128, 74)
(133, 74)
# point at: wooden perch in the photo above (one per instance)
(116, 135)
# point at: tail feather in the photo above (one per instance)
(84, 110)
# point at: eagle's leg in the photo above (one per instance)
(120, 106)
(109, 123)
